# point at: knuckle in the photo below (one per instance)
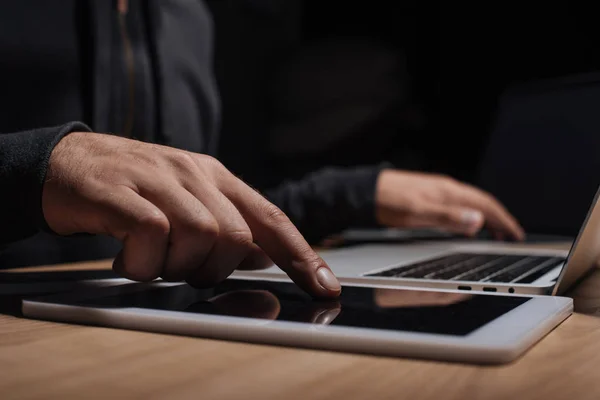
(211, 168)
(449, 182)
(155, 222)
(209, 228)
(491, 200)
(241, 237)
(313, 261)
(206, 227)
(183, 161)
(274, 215)
(210, 163)
(211, 160)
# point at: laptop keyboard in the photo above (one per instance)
(476, 267)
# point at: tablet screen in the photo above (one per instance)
(444, 313)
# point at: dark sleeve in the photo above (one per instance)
(329, 201)
(24, 159)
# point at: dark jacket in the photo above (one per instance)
(146, 74)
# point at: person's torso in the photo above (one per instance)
(146, 73)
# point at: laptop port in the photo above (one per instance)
(489, 289)
(464, 288)
(511, 290)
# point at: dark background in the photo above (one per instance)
(307, 84)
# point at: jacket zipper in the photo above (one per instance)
(123, 6)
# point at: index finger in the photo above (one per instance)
(496, 215)
(273, 232)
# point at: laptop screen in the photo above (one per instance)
(543, 157)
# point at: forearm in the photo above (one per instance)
(23, 162)
(329, 201)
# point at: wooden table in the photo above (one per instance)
(51, 360)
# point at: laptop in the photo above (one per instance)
(503, 267)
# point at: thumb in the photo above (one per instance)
(461, 220)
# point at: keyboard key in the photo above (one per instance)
(474, 267)
(404, 270)
(422, 271)
(462, 267)
(482, 272)
(555, 262)
(519, 269)
(512, 273)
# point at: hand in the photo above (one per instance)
(418, 200)
(180, 215)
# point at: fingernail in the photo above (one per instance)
(326, 279)
(472, 217)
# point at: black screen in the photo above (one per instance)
(542, 155)
(55, 276)
(388, 309)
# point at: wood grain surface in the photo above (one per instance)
(46, 360)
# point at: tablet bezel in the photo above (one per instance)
(501, 340)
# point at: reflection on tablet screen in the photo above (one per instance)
(389, 309)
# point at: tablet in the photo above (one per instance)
(31, 281)
(24, 276)
(390, 321)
